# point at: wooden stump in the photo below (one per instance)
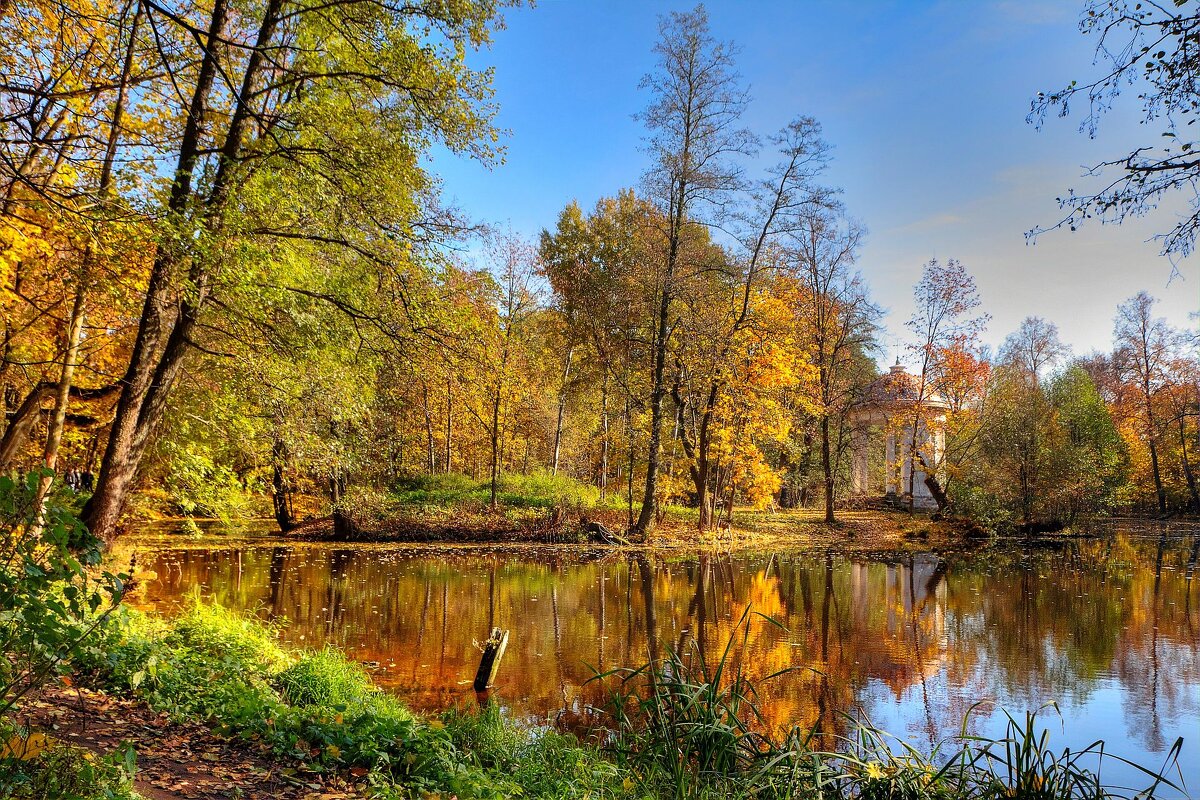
(489, 662)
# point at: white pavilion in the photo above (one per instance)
(893, 404)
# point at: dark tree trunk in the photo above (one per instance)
(166, 325)
(19, 425)
(1189, 476)
(130, 428)
(1160, 493)
(343, 522)
(645, 520)
(281, 492)
(935, 486)
(827, 469)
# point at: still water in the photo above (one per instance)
(1107, 628)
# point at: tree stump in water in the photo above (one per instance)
(489, 662)
(597, 532)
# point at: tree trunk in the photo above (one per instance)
(152, 373)
(645, 520)
(431, 456)
(1159, 491)
(62, 396)
(1187, 467)
(281, 493)
(446, 465)
(935, 486)
(827, 469)
(494, 436)
(17, 432)
(343, 523)
(562, 408)
(629, 470)
(604, 437)
(134, 418)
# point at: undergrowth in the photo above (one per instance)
(537, 490)
(323, 712)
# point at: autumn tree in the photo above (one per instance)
(601, 271)
(67, 77)
(514, 268)
(1034, 347)
(943, 322)
(1143, 346)
(836, 324)
(1182, 404)
(696, 104)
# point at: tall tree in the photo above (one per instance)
(1143, 349)
(943, 321)
(696, 104)
(838, 324)
(784, 204)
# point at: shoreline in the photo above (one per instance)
(856, 532)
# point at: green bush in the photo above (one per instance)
(34, 766)
(544, 490)
(326, 678)
(52, 595)
(536, 490)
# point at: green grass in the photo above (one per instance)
(537, 490)
(322, 710)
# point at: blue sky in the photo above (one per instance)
(925, 105)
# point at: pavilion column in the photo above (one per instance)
(858, 471)
(904, 457)
(890, 462)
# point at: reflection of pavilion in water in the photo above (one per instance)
(910, 646)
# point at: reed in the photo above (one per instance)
(686, 729)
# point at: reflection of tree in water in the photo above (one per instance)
(914, 637)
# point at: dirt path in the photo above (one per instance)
(174, 760)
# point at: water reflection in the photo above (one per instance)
(1107, 628)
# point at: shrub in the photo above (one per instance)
(543, 490)
(36, 766)
(52, 597)
(326, 678)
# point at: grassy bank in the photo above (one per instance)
(322, 713)
(679, 730)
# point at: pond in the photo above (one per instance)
(1107, 628)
